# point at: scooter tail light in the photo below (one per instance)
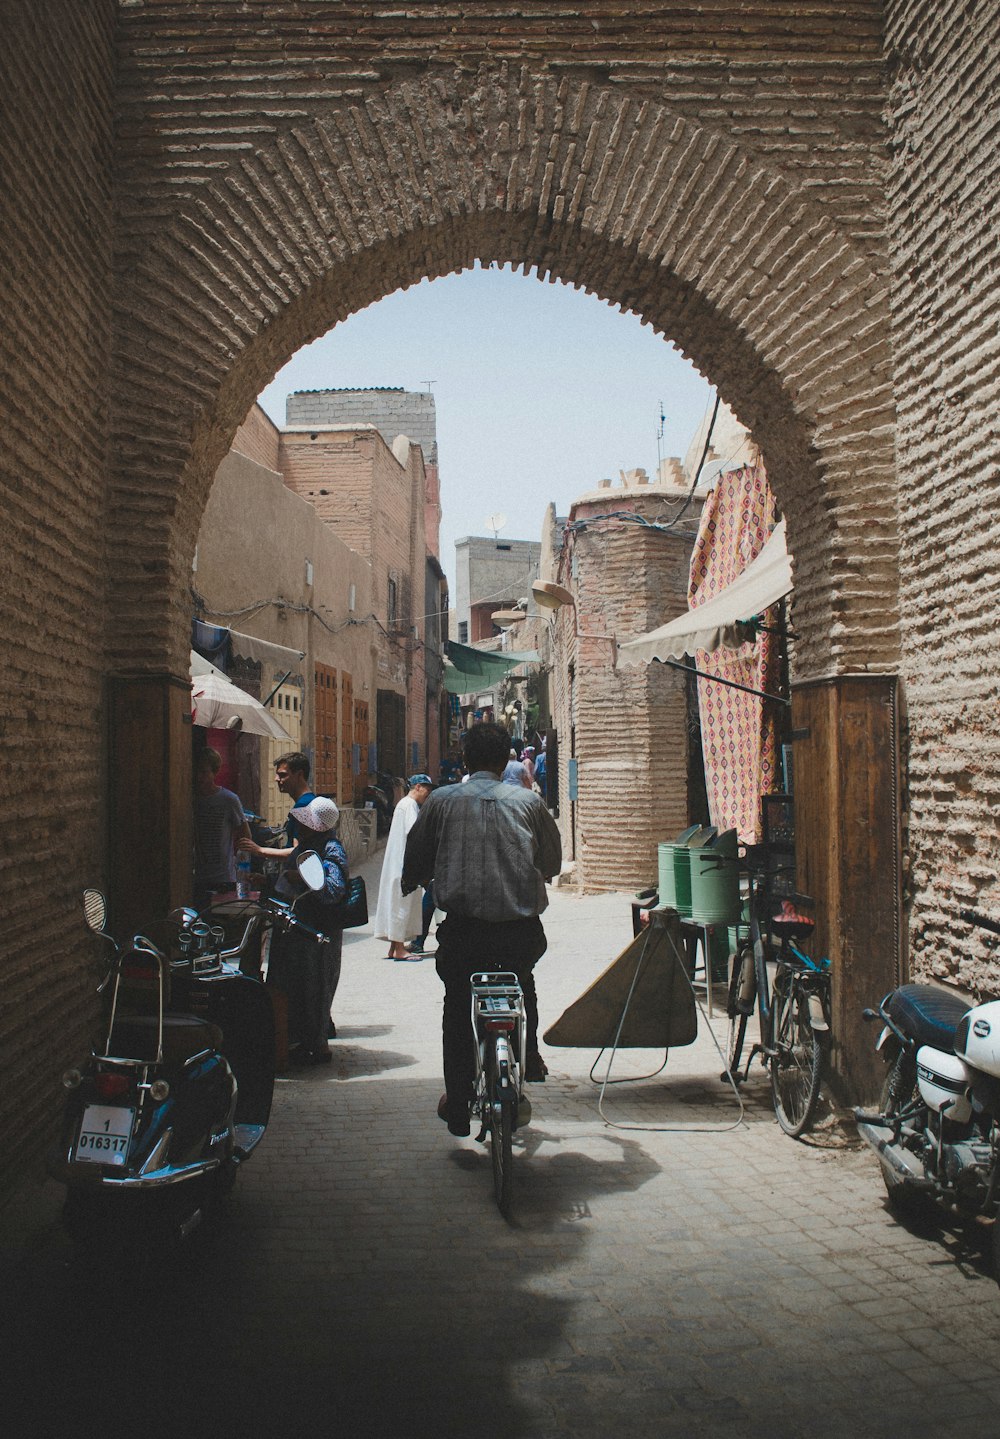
(110, 1085)
(500, 1026)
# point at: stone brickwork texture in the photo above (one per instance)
(56, 108)
(628, 725)
(943, 199)
(800, 197)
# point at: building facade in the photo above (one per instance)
(490, 575)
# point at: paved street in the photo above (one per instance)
(660, 1281)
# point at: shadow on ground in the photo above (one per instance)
(360, 1279)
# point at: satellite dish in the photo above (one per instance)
(496, 523)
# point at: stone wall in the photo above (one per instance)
(943, 61)
(56, 69)
(393, 412)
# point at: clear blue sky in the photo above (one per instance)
(540, 391)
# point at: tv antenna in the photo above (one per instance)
(496, 523)
(659, 443)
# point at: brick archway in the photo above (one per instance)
(753, 280)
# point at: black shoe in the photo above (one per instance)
(535, 1069)
(457, 1121)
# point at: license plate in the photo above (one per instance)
(104, 1134)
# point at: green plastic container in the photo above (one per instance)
(675, 872)
(715, 886)
(675, 878)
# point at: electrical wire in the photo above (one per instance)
(665, 1128)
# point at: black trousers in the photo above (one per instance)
(464, 947)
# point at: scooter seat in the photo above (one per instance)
(929, 1014)
(184, 1035)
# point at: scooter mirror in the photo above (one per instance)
(310, 867)
(183, 916)
(95, 909)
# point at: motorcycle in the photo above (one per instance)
(176, 1093)
(937, 1129)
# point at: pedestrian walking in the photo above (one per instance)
(398, 916)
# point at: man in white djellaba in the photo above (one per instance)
(397, 916)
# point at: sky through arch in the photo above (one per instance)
(540, 390)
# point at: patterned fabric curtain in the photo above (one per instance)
(738, 731)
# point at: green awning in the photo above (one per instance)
(471, 669)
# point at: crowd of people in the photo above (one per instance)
(477, 852)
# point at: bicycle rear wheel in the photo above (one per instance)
(737, 1011)
(501, 1116)
(796, 1058)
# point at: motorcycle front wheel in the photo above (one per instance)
(898, 1090)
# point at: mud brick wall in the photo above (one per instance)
(631, 722)
(375, 505)
(943, 62)
(56, 66)
(718, 169)
(259, 439)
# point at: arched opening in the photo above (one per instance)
(781, 313)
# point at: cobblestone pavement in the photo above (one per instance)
(662, 1281)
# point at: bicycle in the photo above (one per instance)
(498, 1025)
(793, 1016)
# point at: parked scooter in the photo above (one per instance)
(937, 1129)
(176, 1093)
(380, 795)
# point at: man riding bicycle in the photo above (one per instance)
(489, 849)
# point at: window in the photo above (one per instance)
(391, 602)
(463, 632)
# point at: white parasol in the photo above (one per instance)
(218, 704)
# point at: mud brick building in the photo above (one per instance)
(802, 198)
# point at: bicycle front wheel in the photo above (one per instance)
(796, 1057)
(501, 1137)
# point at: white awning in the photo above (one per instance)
(249, 647)
(723, 621)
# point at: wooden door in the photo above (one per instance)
(286, 706)
(325, 764)
(362, 739)
(346, 734)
